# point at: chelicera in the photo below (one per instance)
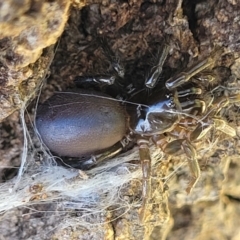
(174, 116)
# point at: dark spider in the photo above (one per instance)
(174, 116)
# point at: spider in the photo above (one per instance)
(174, 116)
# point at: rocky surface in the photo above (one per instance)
(134, 30)
(27, 27)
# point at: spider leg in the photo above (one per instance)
(220, 124)
(174, 147)
(93, 80)
(205, 77)
(190, 105)
(201, 130)
(116, 65)
(155, 72)
(145, 158)
(189, 91)
(224, 101)
(105, 79)
(184, 77)
(204, 127)
(191, 153)
(184, 103)
(96, 159)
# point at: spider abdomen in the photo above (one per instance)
(80, 123)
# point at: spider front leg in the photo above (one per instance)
(116, 64)
(93, 80)
(156, 70)
(184, 77)
(145, 159)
